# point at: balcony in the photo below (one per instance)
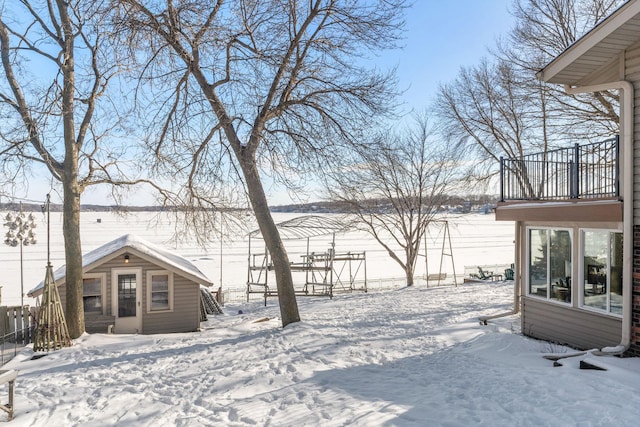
(589, 171)
(580, 183)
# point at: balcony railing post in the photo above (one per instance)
(575, 172)
(617, 165)
(501, 179)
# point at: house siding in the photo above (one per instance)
(185, 316)
(569, 326)
(632, 73)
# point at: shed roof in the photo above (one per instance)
(597, 52)
(140, 247)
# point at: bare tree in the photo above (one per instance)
(395, 187)
(543, 30)
(246, 88)
(55, 112)
(498, 107)
(488, 109)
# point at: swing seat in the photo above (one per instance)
(436, 276)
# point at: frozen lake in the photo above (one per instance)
(476, 239)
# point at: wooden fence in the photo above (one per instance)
(17, 325)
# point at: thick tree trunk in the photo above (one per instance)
(74, 313)
(409, 274)
(70, 185)
(271, 236)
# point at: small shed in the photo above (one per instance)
(133, 286)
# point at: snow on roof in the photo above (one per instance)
(140, 246)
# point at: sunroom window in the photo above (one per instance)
(550, 264)
(602, 270)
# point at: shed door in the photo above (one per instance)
(127, 302)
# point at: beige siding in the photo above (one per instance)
(632, 74)
(185, 316)
(574, 327)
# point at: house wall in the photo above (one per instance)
(566, 325)
(632, 73)
(185, 316)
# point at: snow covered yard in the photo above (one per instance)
(410, 357)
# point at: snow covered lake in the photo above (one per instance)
(475, 240)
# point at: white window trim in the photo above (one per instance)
(150, 275)
(582, 306)
(528, 264)
(103, 287)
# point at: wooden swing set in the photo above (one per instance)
(444, 252)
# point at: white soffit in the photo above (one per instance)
(597, 49)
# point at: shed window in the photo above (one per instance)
(550, 264)
(92, 294)
(601, 287)
(159, 291)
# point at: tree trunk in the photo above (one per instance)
(271, 236)
(70, 186)
(409, 273)
(74, 313)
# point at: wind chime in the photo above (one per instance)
(51, 327)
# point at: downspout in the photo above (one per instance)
(516, 279)
(626, 119)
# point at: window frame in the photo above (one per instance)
(149, 284)
(581, 287)
(549, 285)
(103, 290)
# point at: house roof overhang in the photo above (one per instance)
(595, 57)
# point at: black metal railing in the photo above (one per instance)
(586, 171)
(12, 343)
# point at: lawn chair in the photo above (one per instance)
(488, 275)
(484, 275)
(509, 274)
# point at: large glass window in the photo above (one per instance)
(159, 291)
(550, 264)
(92, 294)
(602, 270)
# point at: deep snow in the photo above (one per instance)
(409, 357)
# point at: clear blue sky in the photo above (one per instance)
(442, 36)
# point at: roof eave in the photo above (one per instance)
(581, 46)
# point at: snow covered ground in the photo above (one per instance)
(408, 357)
